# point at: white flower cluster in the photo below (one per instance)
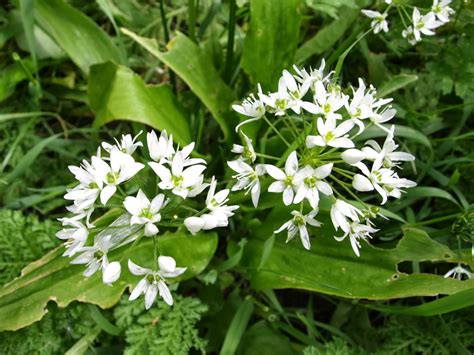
(418, 24)
(320, 125)
(105, 183)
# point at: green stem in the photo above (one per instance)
(275, 130)
(191, 20)
(167, 39)
(230, 41)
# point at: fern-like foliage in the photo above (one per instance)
(54, 334)
(420, 335)
(337, 346)
(22, 239)
(162, 329)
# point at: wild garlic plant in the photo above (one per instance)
(113, 180)
(320, 123)
(419, 23)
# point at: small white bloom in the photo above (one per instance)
(247, 178)
(216, 202)
(385, 181)
(331, 135)
(178, 179)
(296, 93)
(280, 101)
(442, 10)
(251, 107)
(145, 212)
(328, 102)
(161, 149)
(379, 22)
(127, 145)
(122, 168)
(247, 152)
(356, 232)
(298, 224)
(313, 76)
(343, 214)
(96, 259)
(75, 234)
(153, 282)
(310, 182)
(285, 180)
(387, 153)
(458, 272)
(85, 194)
(424, 24)
(410, 35)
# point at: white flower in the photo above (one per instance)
(424, 24)
(442, 10)
(298, 224)
(127, 144)
(309, 182)
(75, 234)
(161, 149)
(458, 272)
(247, 152)
(110, 271)
(385, 181)
(279, 101)
(386, 115)
(313, 76)
(153, 282)
(379, 22)
(216, 202)
(85, 194)
(387, 153)
(296, 93)
(179, 180)
(122, 168)
(247, 178)
(343, 214)
(410, 35)
(356, 232)
(331, 135)
(285, 180)
(251, 107)
(328, 102)
(219, 215)
(145, 212)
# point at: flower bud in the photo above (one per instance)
(352, 156)
(194, 224)
(111, 273)
(166, 263)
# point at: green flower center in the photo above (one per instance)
(111, 178)
(327, 108)
(177, 180)
(93, 185)
(247, 153)
(420, 25)
(146, 213)
(329, 136)
(214, 202)
(299, 220)
(289, 181)
(281, 103)
(311, 181)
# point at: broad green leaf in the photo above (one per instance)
(11, 76)
(396, 83)
(270, 43)
(194, 67)
(327, 36)
(331, 267)
(444, 305)
(53, 278)
(428, 192)
(116, 92)
(266, 339)
(80, 37)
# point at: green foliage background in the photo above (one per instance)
(75, 73)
